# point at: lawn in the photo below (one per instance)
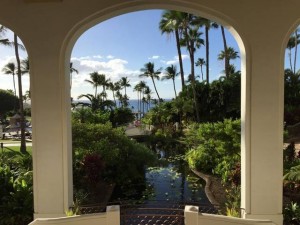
(16, 149)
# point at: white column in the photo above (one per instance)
(191, 215)
(262, 129)
(52, 153)
(113, 215)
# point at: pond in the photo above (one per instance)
(169, 181)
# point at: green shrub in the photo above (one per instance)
(16, 193)
(214, 147)
(124, 159)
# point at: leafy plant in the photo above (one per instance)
(291, 214)
(214, 147)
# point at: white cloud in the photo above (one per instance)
(7, 80)
(154, 57)
(175, 60)
(97, 57)
(112, 68)
(110, 57)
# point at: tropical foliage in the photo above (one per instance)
(16, 189)
(102, 154)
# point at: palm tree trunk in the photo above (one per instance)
(201, 67)
(155, 88)
(174, 87)
(225, 51)
(207, 55)
(290, 59)
(96, 91)
(180, 58)
(193, 80)
(14, 82)
(296, 50)
(114, 97)
(22, 120)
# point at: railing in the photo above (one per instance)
(151, 212)
(134, 214)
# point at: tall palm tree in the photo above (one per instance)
(105, 83)
(201, 62)
(229, 54)
(297, 41)
(10, 68)
(148, 92)
(19, 74)
(171, 22)
(171, 73)
(192, 40)
(290, 46)
(149, 71)
(95, 80)
(124, 82)
(207, 26)
(226, 59)
(72, 70)
(114, 87)
(138, 89)
(25, 69)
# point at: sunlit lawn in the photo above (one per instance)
(15, 149)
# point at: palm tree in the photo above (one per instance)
(208, 25)
(171, 73)
(124, 82)
(297, 41)
(201, 62)
(229, 54)
(192, 41)
(293, 43)
(19, 74)
(10, 68)
(95, 80)
(150, 72)
(25, 69)
(72, 70)
(105, 83)
(290, 46)
(114, 87)
(148, 92)
(4, 41)
(96, 103)
(226, 59)
(171, 22)
(138, 89)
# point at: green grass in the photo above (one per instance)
(9, 141)
(16, 149)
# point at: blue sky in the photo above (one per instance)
(121, 46)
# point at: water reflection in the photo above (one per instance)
(169, 181)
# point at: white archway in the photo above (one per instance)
(49, 31)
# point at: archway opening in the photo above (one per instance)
(116, 62)
(15, 130)
(291, 153)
